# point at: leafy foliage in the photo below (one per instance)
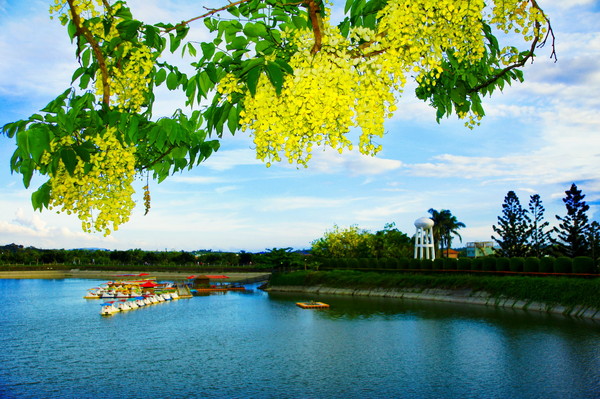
(513, 228)
(284, 71)
(445, 225)
(572, 232)
(539, 236)
(353, 242)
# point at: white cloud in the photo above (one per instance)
(284, 204)
(354, 163)
(195, 179)
(228, 159)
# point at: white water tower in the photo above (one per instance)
(424, 248)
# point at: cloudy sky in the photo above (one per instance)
(537, 137)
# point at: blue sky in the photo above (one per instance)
(537, 137)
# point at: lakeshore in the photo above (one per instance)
(464, 296)
(109, 275)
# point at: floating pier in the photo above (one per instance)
(312, 305)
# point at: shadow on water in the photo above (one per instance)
(370, 307)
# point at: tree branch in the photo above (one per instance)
(314, 12)
(208, 14)
(85, 32)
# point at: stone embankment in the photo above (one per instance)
(454, 296)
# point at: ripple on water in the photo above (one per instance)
(55, 345)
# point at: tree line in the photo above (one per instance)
(14, 254)
(523, 232)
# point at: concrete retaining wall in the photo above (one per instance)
(455, 296)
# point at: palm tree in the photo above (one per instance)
(445, 226)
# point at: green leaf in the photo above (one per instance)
(38, 142)
(275, 76)
(232, 120)
(172, 81)
(160, 77)
(191, 49)
(128, 29)
(82, 153)
(211, 70)
(85, 57)
(71, 30)
(41, 197)
(237, 43)
(78, 72)
(26, 169)
(208, 50)
(84, 81)
(123, 12)
(264, 46)
(299, 22)
(133, 128)
(69, 158)
(251, 30)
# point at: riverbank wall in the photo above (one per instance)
(465, 296)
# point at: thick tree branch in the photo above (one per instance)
(85, 32)
(314, 12)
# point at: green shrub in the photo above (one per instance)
(584, 264)
(503, 264)
(531, 265)
(426, 264)
(562, 264)
(438, 264)
(547, 264)
(415, 263)
(477, 264)
(403, 263)
(489, 264)
(464, 263)
(450, 263)
(341, 263)
(352, 263)
(389, 263)
(516, 264)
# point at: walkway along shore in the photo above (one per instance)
(455, 296)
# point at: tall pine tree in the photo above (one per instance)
(539, 236)
(572, 232)
(513, 228)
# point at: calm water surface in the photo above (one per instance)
(54, 344)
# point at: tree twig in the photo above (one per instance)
(208, 14)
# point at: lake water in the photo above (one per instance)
(55, 344)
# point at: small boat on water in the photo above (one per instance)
(312, 305)
(108, 309)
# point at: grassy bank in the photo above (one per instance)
(551, 290)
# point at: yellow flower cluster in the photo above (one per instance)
(328, 94)
(129, 74)
(350, 82)
(417, 33)
(228, 85)
(129, 77)
(85, 8)
(101, 197)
